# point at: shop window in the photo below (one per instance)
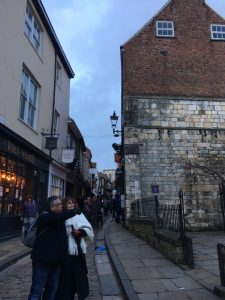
(11, 186)
(57, 186)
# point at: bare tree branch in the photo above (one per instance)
(213, 165)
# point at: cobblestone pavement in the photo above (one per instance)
(15, 281)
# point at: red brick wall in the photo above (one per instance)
(194, 65)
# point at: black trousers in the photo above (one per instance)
(73, 279)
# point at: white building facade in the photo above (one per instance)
(34, 107)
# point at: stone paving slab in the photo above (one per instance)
(109, 285)
(157, 262)
(156, 277)
(148, 286)
(140, 273)
(210, 282)
(171, 272)
(132, 262)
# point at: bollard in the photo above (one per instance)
(221, 258)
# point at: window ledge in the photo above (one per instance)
(165, 37)
(217, 40)
(38, 54)
(31, 128)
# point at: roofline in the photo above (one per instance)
(45, 19)
(76, 131)
(209, 7)
(161, 9)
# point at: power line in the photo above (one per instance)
(97, 136)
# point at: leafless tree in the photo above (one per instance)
(213, 165)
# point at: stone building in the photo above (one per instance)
(173, 106)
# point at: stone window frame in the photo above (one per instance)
(165, 28)
(218, 32)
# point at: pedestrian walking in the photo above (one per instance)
(123, 209)
(73, 276)
(106, 202)
(49, 251)
(87, 210)
(113, 207)
(30, 212)
(97, 211)
(117, 208)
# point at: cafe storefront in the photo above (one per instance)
(24, 170)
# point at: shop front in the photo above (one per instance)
(23, 170)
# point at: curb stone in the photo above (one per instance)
(126, 286)
(13, 259)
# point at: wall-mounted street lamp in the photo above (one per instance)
(114, 118)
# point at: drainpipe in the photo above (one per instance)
(53, 102)
(122, 117)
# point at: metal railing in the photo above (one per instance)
(170, 216)
(167, 215)
(143, 208)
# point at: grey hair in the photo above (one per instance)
(51, 200)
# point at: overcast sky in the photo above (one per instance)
(91, 33)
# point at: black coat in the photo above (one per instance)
(51, 243)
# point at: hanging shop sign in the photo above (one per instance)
(67, 156)
(51, 143)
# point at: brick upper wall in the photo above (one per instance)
(194, 64)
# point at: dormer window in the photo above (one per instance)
(165, 28)
(218, 32)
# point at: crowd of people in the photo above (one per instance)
(59, 269)
(95, 207)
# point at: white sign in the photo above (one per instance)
(67, 156)
(93, 171)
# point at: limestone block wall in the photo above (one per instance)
(167, 242)
(159, 130)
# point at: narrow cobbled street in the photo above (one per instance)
(15, 281)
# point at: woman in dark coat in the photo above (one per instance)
(73, 277)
